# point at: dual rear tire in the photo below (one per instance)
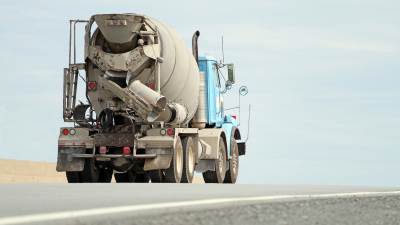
(174, 173)
(90, 174)
(226, 170)
(218, 175)
(189, 160)
(182, 165)
(131, 177)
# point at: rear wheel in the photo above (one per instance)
(156, 176)
(218, 175)
(233, 170)
(90, 173)
(127, 177)
(142, 178)
(73, 177)
(131, 176)
(174, 173)
(105, 175)
(189, 160)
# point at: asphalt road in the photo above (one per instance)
(197, 204)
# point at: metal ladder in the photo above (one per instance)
(71, 74)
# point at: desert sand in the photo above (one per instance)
(23, 171)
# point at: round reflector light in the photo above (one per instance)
(72, 132)
(163, 132)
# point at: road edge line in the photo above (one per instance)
(42, 217)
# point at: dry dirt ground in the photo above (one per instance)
(22, 171)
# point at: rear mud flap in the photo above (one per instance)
(161, 161)
(65, 161)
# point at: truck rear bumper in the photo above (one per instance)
(155, 150)
(114, 156)
(73, 159)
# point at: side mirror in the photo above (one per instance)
(243, 90)
(231, 73)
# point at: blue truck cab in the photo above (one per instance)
(216, 116)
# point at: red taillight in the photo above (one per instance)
(170, 131)
(234, 116)
(126, 150)
(92, 85)
(103, 150)
(65, 131)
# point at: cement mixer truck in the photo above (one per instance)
(154, 109)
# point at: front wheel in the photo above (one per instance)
(218, 175)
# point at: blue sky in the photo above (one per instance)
(323, 79)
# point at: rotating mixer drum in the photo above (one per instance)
(131, 47)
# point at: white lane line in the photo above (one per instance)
(35, 218)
